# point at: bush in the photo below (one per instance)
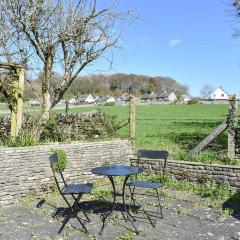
(62, 128)
(62, 160)
(110, 104)
(24, 138)
(193, 101)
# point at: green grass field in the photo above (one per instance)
(176, 128)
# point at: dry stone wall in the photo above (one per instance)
(61, 127)
(27, 169)
(193, 171)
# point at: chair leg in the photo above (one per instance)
(159, 204)
(73, 212)
(65, 221)
(133, 200)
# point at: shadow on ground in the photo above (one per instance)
(233, 204)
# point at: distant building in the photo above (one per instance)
(148, 97)
(109, 99)
(34, 102)
(122, 100)
(72, 101)
(166, 97)
(88, 98)
(185, 98)
(219, 94)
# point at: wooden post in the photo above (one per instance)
(232, 126)
(14, 107)
(16, 95)
(19, 99)
(13, 124)
(66, 106)
(216, 132)
(132, 118)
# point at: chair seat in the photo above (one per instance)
(77, 188)
(144, 184)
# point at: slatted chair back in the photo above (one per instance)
(153, 154)
(58, 175)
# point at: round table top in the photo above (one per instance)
(116, 170)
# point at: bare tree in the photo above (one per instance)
(57, 36)
(206, 91)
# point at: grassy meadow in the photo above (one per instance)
(176, 128)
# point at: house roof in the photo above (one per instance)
(84, 97)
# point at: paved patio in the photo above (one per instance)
(185, 216)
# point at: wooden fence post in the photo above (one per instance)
(232, 121)
(19, 99)
(132, 118)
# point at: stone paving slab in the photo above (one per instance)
(181, 220)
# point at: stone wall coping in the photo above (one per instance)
(58, 144)
(192, 163)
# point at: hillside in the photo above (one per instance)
(115, 84)
(119, 83)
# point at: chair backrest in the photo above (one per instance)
(57, 174)
(153, 154)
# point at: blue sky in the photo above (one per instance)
(190, 41)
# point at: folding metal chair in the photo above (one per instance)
(152, 154)
(76, 191)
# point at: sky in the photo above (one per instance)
(190, 41)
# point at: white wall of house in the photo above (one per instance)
(172, 97)
(110, 99)
(186, 98)
(219, 94)
(72, 101)
(90, 99)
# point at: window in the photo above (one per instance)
(222, 95)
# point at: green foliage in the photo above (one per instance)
(193, 101)
(61, 164)
(24, 138)
(213, 191)
(204, 157)
(110, 104)
(62, 128)
(2, 98)
(125, 236)
(102, 194)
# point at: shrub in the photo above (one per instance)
(62, 160)
(193, 101)
(24, 138)
(110, 104)
(215, 191)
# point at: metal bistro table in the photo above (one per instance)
(114, 171)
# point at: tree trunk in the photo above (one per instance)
(46, 96)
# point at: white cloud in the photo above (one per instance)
(174, 42)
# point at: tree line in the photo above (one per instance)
(114, 84)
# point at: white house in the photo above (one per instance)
(86, 98)
(109, 99)
(72, 101)
(166, 97)
(219, 94)
(185, 98)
